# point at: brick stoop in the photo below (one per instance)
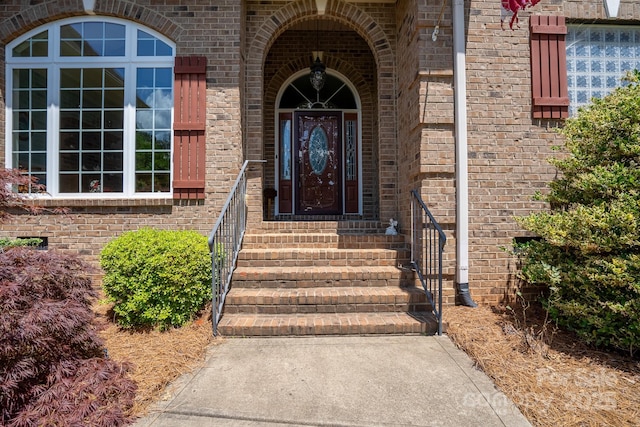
(319, 278)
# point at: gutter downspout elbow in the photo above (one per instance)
(462, 184)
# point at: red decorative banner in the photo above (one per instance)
(510, 8)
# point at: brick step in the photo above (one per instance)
(341, 226)
(322, 276)
(326, 300)
(240, 325)
(324, 240)
(291, 257)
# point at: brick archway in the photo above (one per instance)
(52, 10)
(381, 49)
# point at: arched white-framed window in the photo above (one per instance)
(90, 107)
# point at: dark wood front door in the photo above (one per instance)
(319, 174)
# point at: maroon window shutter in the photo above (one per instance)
(189, 127)
(549, 67)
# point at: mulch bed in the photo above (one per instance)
(554, 379)
(157, 358)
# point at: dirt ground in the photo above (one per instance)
(554, 380)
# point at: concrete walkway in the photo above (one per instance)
(336, 381)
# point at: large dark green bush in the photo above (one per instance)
(157, 278)
(589, 252)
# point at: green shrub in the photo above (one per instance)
(157, 278)
(589, 254)
(6, 242)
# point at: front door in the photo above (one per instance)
(318, 164)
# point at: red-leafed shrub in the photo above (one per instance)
(53, 369)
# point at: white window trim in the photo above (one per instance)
(53, 63)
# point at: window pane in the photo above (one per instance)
(114, 48)
(146, 47)
(39, 79)
(112, 183)
(21, 100)
(71, 48)
(91, 119)
(144, 161)
(114, 77)
(91, 140)
(114, 31)
(162, 140)
(39, 120)
(145, 77)
(161, 182)
(113, 141)
(69, 161)
(36, 46)
(113, 161)
(23, 49)
(69, 119)
(91, 183)
(163, 49)
(69, 140)
(144, 120)
(597, 58)
(39, 99)
(93, 30)
(39, 141)
(92, 48)
(70, 78)
(144, 182)
(143, 140)
(92, 99)
(113, 98)
(164, 77)
(72, 31)
(161, 161)
(285, 150)
(69, 99)
(92, 77)
(113, 119)
(69, 183)
(22, 79)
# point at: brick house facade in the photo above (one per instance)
(402, 107)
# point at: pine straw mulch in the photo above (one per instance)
(552, 378)
(157, 358)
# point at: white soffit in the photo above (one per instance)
(611, 7)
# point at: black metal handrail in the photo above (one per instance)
(225, 241)
(427, 244)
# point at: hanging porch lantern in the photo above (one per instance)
(318, 74)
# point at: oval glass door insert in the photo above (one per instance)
(318, 150)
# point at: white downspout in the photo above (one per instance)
(462, 178)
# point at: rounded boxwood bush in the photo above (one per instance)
(158, 278)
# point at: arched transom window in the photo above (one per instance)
(89, 110)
